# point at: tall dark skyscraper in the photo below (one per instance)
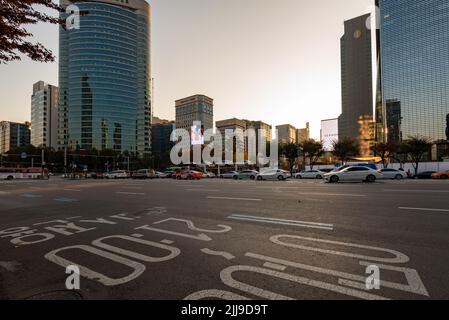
(414, 51)
(356, 76)
(105, 77)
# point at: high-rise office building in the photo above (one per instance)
(161, 135)
(356, 76)
(413, 44)
(198, 108)
(105, 77)
(13, 135)
(44, 115)
(234, 125)
(286, 133)
(303, 134)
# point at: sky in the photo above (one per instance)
(275, 61)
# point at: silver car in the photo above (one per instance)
(353, 174)
(310, 174)
(229, 175)
(273, 174)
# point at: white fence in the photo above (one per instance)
(423, 166)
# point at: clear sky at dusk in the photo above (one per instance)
(275, 61)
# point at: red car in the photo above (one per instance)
(191, 175)
(176, 175)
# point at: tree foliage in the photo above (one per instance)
(416, 148)
(290, 152)
(384, 151)
(15, 15)
(345, 149)
(312, 150)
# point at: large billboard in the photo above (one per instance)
(329, 133)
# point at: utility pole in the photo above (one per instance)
(65, 159)
(128, 164)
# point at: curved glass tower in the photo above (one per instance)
(105, 76)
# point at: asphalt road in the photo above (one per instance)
(212, 239)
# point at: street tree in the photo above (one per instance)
(416, 147)
(384, 151)
(15, 16)
(290, 152)
(345, 149)
(312, 150)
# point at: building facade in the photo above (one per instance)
(329, 134)
(356, 76)
(13, 135)
(286, 133)
(105, 77)
(44, 115)
(414, 55)
(234, 124)
(197, 108)
(161, 135)
(303, 134)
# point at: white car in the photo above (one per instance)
(273, 174)
(353, 174)
(393, 174)
(310, 174)
(120, 174)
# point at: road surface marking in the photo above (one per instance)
(30, 195)
(4, 193)
(285, 220)
(11, 266)
(331, 194)
(203, 190)
(424, 209)
(131, 193)
(274, 266)
(237, 199)
(66, 200)
(398, 256)
(223, 254)
(420, 191)
(72, 190)
(167, 241)
(285, 223)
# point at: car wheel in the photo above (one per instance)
(399, 177)
(221, 177)
(253, 177)
(259, 178)
(334, 179)
(235, 177)
(298, 177)
(10, 178)
(371, 178)
(280, 178)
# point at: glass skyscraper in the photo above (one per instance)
(105, 77)
(414, 55)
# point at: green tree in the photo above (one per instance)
(312, 150)
(345, 149)
(384, 151)
(290, 152)
(416, 147)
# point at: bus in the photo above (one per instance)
(23, 173)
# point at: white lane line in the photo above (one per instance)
(414, 191)
(285, 222)
(131, 193)
(274, 266)
(223, 254)
(424, 209)
(72, 190)
(331, 194)
(203, 190)
(237, 199)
